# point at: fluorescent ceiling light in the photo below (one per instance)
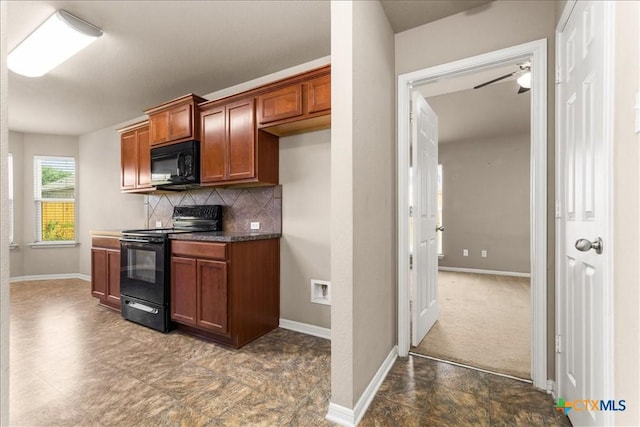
(525, 80)
(56, 40)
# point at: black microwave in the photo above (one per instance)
(176, 166)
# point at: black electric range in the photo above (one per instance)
(145, 274)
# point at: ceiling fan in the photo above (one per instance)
(524, 78)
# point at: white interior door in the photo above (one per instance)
(424, 275)
(582, 138)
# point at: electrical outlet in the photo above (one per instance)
(465, 252)
(255, 226)
(484, 253)
(158, 224)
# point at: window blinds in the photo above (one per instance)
(54, 195)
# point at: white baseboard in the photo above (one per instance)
(479, 271)
(551, 389)
(51, 277)
(306, 328)
(351, 417)
(341, 415)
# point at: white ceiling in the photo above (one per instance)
(465, 113)
(492, 111)
(154, 51)
(406, 14)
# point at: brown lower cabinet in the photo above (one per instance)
(226, 292)
(105, 271)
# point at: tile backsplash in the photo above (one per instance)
(242, 206)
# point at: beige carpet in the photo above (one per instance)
(484, 322)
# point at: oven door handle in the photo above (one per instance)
(142, 307)
(135, 240)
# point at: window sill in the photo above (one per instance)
(13, 246)
(48, 245)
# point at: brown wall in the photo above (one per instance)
(486, 203)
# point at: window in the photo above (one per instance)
(10, 182)
(55, 185)
(439, 219)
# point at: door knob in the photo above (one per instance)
(441, 228)
(585, 245)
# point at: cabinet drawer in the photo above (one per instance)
(106, 242)
(280, 104)
(199, 249)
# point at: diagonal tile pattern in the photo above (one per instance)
(425, 392)
(243, 205)
(74, 363)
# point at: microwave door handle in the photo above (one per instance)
(180, 164)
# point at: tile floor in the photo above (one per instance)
(76, 363)
(423, 392)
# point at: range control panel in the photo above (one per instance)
(208, 212)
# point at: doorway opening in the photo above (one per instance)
(535, 52)
(483, 285)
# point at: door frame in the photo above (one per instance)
(537, 52)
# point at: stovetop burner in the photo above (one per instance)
(186, 219)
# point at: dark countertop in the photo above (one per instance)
(225, 236)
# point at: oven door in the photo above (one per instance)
(144, 272)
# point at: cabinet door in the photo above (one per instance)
(183, 290)
(212, 296)
(159, 128)
(180, 125)
(129, 160)
(98, 272)
(113, 277)
(280, 104)
(213, 146)
(319, 94)
(143, 177)
(241, 139)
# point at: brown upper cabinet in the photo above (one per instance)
(175, 121)
(280, 104)
(135, 158)
(232, 150)
(319, 95)
(298, 104)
